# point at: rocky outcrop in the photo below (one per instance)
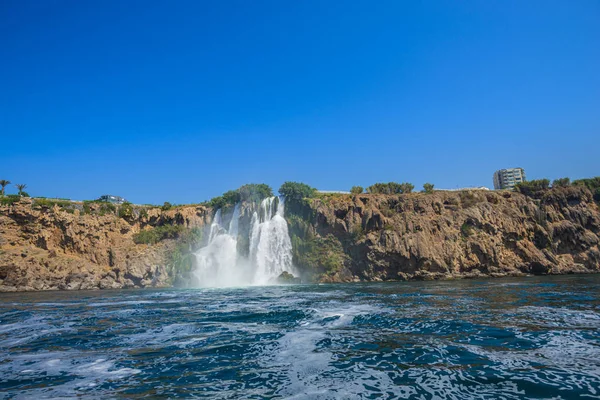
(46, 248)
(445, 235)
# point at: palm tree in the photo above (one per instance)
(3, 183)
(21, 187)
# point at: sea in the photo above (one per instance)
(513, 338)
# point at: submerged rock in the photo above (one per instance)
(286, 278)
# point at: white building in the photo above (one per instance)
(508, 178)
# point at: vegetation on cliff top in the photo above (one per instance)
(391, 188)
(537, 187)
(296, 191)
(251, 192)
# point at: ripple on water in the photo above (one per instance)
(482, 339)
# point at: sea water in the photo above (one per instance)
(496, 338)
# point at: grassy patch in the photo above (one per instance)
(9, 199)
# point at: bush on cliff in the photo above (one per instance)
(255, 192)
(561, 182)
(156, 234)
(390, 188)
(65, 205)
(428, 188)
(98, 207)
(9, 199)
(231, 197)
(126, 210)
(320, 255)
(590, 183)
(533, 188)
(593, 184)
(297, 191)
(356, 190)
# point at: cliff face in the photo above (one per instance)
(43, 248)
(445, 235)
(335, 238)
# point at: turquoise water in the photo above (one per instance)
(501, 338)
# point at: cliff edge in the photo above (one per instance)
(445, 235)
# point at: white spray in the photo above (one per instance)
(219, 264)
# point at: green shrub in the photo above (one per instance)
(126, 210)
(255, 192)
(532, 188)
(166, 206)
(156, 234)
(428, 188)
(9, 199)
(322, 255)
(390, 188)
(356, 190)
(47, 203)
(561, 182)
(217, 202)
(297, 191)
(466, 229)
(107, 208)
(42, 202)
(406, 187)
(231, 197)
(590, 183)
(102, 208)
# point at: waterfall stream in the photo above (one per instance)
(220, 263)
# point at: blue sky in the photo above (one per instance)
(180, 101)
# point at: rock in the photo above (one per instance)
(286, 278)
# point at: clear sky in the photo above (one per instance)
(182, 100)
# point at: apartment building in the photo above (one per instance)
(508, 178)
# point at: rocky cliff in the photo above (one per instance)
(45, 248)
(335, 238)
(445, 235)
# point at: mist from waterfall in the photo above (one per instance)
(220, 264)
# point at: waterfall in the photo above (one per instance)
(270, 249)
(270, 244)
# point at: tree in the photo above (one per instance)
(21, 188)
(231, 197)
(255, 192)
(561, 182)
(406, 187)
(356, 190)
(4, 183)
(428, 188)
(296, 191)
